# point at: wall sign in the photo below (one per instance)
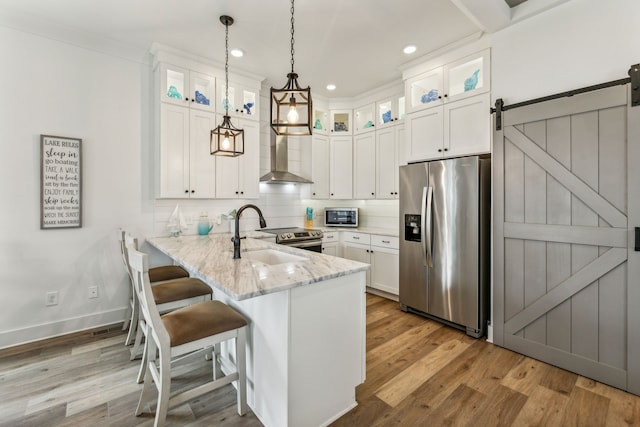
(61, 183)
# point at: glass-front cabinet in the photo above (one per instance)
(340, 122)
(320, 119)
(242, 100)
(364, 118)
(468, 76)
(184, 87)
(390, 111)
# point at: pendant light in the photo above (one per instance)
(226, 139)
(291, 106)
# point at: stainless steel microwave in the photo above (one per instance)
(341, 217)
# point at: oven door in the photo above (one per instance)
(309, 245)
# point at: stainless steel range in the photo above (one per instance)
(302, 238)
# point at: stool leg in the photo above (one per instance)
(241, 367)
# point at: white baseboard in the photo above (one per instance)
(62, 327)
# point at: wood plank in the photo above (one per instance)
(624, 408)
(586, 408)
(501, 408)
(581, 190)
(584, 235)
(396, 390)
(584, 165)
(543, 408)
(525, 376)
(581, 279)
(589, 101)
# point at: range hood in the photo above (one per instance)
(279, 173)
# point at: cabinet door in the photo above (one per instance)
(202, 165)
(330, 249)
(174, 152)
(390, 111)
(320, 167)
(425, 90)
(242, 101)
(174, 85)
(249, 170)
(320, 120)
(468, 76)
(340, 122)
(340, 168)
(468, 126)
(425, 139)
(364, 119)
(202, 92)
(360, 253)
(385, 269)
(364, 166)
(386, 164)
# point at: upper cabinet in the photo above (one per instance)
(449, 110)
(241, 102)
(365, 118)
(340, 122)
(320, 119)
(390, 111)
(188, 88)
(457, 80)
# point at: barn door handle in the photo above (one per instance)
(637, 244)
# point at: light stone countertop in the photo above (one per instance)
(210, 258)
(367, 230)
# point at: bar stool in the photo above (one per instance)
(198, 327)
(156, 274)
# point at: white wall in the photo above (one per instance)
(576, 44)
(55, 88)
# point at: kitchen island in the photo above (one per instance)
(306, 345)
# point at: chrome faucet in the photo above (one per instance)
(236, 237)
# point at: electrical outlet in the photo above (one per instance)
(93, 292)
(52, 298)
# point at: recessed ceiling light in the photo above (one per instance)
(238, 53)
(331, 87)
(409, 49)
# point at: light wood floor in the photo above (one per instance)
(419, 373)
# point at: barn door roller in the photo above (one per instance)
(634, 74)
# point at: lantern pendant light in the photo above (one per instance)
(291, 106)
(226, 139)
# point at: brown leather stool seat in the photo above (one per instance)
(167, 272)
(201, 320)
(179, 289)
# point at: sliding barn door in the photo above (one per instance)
(566, 278)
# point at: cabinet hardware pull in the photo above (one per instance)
(186, 191)
(439, 150)
(356, 237)
(446, 149)
(193, 191)
(386, 241)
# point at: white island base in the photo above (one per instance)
(306, 351)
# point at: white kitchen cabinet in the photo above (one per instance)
(186, 88)
(340, 167)
(364, 119)
(381, 252)
(453, 129)
(186, 167)
(320, 166)
(463, 78)
(242, 101)
(320, 119)
(364, 166)
(390, 111)
(331, 243)
(358, 252)
(340, 122)
(388, 143)
(239, 177)
(385, 263)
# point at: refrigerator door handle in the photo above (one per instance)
(427, 228)
(423, 237)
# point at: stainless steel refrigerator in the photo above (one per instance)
(444, 241)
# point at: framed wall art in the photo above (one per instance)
(61, 182)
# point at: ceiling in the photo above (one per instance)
(354, 44)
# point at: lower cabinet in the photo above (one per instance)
(379, 251)
(331, 244)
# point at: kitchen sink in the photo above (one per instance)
(271, 256)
